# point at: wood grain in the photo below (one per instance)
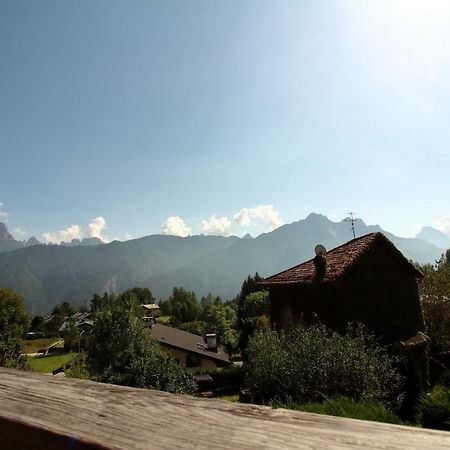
(44, 412)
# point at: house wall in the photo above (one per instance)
(378, 291)
(181, 357)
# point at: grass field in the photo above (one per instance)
(33, 345)
(163, 320)
(229, 398)
(46, 364)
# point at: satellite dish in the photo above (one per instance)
(319, 249)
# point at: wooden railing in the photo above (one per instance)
(45, 412)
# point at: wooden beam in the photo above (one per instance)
(45, 412)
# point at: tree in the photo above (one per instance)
(254, 313)
(249, 286)
(14, 322)
(435, 300)
(183, 305)
(311, 364)
(37, 324)
(60, 313)
(143, 295)
(122, 351)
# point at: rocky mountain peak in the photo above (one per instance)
(5, 235)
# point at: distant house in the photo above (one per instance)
(366, 280)
(190, 350)
(83, 325)
(150, 311)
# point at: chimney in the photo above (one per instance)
(320, 262)
(211, 342)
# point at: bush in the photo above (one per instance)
(346, 407)
(13, 324)
(227, 381)
(312, 364)
(434, 409)
(122, 351)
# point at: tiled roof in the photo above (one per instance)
(338, 262)
(189, 342)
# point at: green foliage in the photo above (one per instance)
(60, 314)
(226, 381)
(254, 311)
(310, 364)
(434, 409)
(14, 322)
(78, 369)
(249, 286)
(435, 299)
(143, 295)
(182, 305)
(346, 407)
(198, 327)
(37, 324)
(220, 319)
(255, 305)
(122, 351)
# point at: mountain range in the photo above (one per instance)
(49, 274)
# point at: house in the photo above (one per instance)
(78, 337)
(366, 280)
(150, 312)
(190, 350)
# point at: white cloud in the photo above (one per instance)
(20, 233)
(259, 215)
(94, 230)
(443, 224)
(66, 235)
(96, 227)
(218, 226)
(128, 236)
(175, 226)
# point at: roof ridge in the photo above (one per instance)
(375, 233)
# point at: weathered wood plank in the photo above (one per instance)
(41, 411)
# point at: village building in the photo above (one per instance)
(76, 331)
(150, 312)
(190, 350)
(366, 280)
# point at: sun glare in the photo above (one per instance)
(406, 40)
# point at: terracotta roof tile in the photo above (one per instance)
(338, 262)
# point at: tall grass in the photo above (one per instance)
(345, 407)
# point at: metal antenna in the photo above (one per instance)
(352, 219)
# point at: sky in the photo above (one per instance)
(120, 119)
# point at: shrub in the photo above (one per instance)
(346, 407)
(434, 409)
(122, 351)
(310, 364)
(226, 381)
(13, 324)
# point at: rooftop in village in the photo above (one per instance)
(338, 262)
(189, 342)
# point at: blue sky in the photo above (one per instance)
(139, 111)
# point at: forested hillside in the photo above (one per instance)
(48, 274)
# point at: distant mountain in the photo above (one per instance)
(434, 236)
(49, 274)
(8, 243)
(83, 242)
